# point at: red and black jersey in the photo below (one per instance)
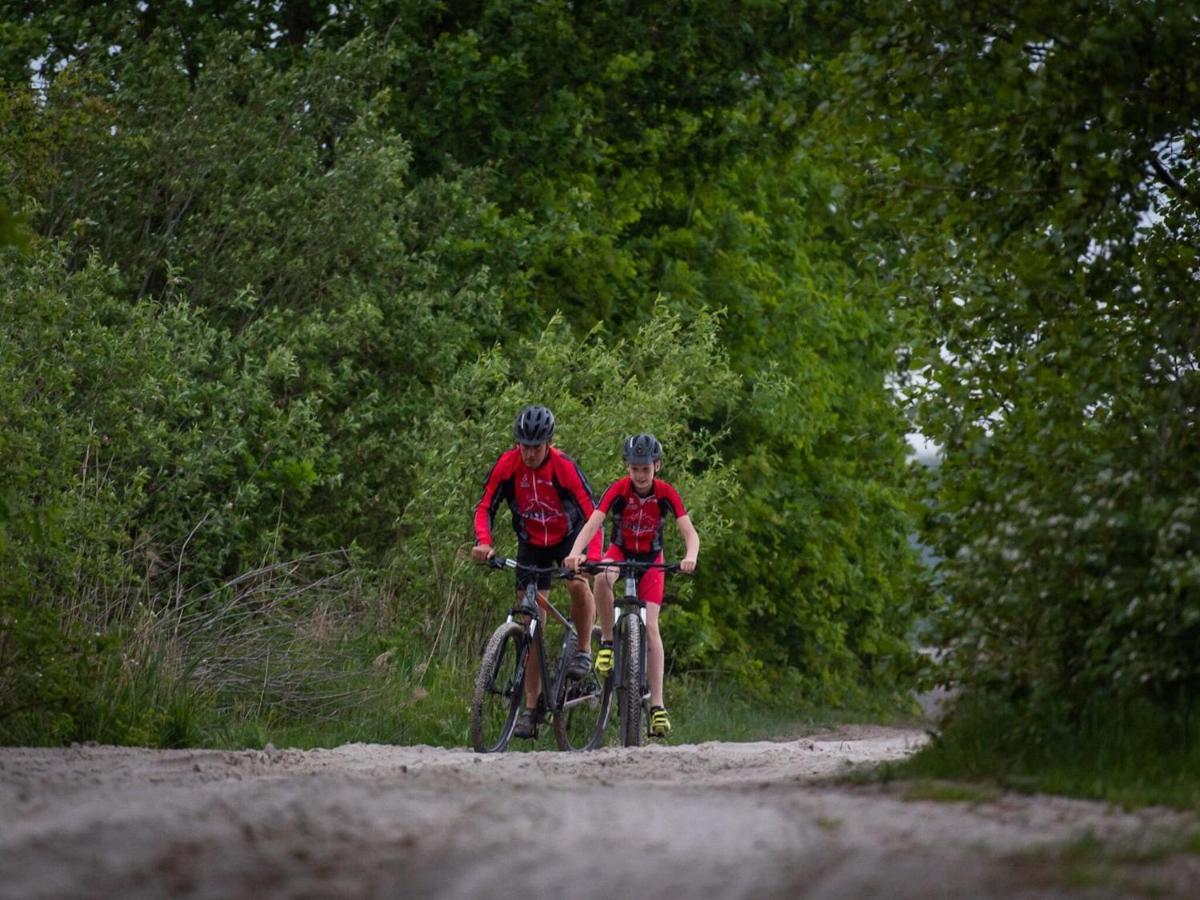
(637, 521)
(548, 503)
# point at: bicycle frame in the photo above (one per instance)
(631, 605)
(576, 706)
(528, 609)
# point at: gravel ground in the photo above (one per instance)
(759, 819)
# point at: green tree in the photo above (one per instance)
(358, 198)
(1035, 168)
(654, 152)
(277, 209)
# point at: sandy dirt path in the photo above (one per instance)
(712, 820)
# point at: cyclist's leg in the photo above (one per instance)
(660, 722)
(605, 611)
(533, 668)
(654, 654)
(650, 589)
(583, 611)
(583, 604)
(534, 556)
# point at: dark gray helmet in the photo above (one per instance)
(534, 425)
(642, 449)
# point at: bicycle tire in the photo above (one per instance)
(584, 705)
(499, 689)
(629, 703)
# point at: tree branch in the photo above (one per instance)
(1173, 183)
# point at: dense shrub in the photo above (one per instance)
(601, 390)
(295, 269)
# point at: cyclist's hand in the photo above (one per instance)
(572, 562)
(482, 552)
(687, 566)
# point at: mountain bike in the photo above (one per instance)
(628, 678)
(578, 707)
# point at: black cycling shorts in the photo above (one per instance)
(542, 557)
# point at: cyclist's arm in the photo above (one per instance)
(485, 512)
(589, 530)
(691, 541)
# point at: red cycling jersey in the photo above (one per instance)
(549, 503)
(638, 521)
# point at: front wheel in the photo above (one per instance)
(583, 709)
(629, 703)
(499, 688)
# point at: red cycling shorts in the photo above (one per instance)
(651, 582)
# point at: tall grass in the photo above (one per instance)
(284, 642)
(713, 708)
(1130, 752)
(311, 652)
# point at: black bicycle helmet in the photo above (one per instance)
(534, 425)
(642, 449)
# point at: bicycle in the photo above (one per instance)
(628, 678)
(578, 706)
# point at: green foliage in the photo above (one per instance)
(601, 390)
(12, 229)
(1130, 752)
(280, 224)
(296, 267)
(819, 561)
(708, 707)
(1035, 168)
(42, 672)
(85, 380)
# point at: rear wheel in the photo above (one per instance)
(629, 702)
(583, 709)
(499, 688)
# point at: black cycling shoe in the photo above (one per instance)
(580, 665)
(526, 726)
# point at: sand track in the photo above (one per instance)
(715, 819)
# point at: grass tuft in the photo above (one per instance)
(949, 791)
(1129, 753)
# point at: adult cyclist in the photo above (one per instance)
(550, 500)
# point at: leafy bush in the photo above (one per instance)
(1037, 208)
(600, 391)
(290, 285)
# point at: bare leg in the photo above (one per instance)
(654, 655)
(583, 611)
(533, 666)
(604, 602)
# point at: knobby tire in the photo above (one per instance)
(499, 693)
(629, 703)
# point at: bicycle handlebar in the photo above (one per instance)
(630, 564)
(506, 562)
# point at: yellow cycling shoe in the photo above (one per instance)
(604, 658)
(660, 722)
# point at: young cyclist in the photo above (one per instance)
(639, 504)
(550, 500)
